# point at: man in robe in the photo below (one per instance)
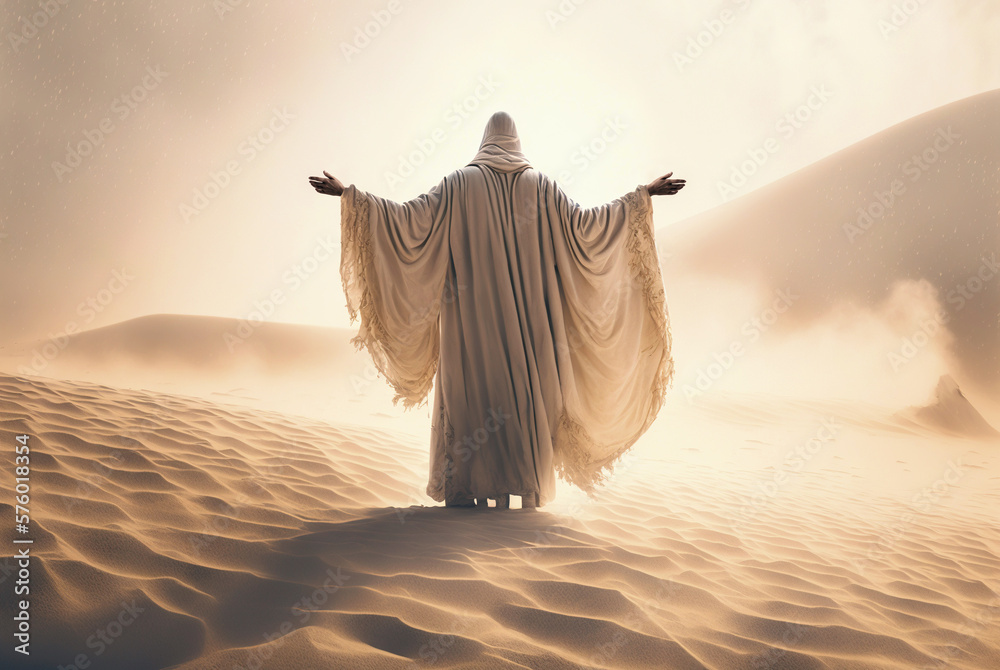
(542, 325)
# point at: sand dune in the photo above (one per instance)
(240, 537)
(951, 411)
(299, 369)
(212, 347)
(908, 210)
(207, 343)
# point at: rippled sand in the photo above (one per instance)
(241, 538)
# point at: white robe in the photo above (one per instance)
(542, 325)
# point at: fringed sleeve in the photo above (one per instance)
(615, 349)
(394, 260)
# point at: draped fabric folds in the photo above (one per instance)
(541, 325)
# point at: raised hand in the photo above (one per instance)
(328, 185)
(665, 185)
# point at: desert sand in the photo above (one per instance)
(246, 538)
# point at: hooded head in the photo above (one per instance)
(501, 147)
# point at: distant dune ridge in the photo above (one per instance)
(205, 343)
(294, 368)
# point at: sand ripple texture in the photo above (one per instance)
(239, 539)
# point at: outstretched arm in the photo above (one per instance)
(328, 185)
(665, 185)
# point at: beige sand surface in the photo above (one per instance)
(249, 537)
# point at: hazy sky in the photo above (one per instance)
(162, 96)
